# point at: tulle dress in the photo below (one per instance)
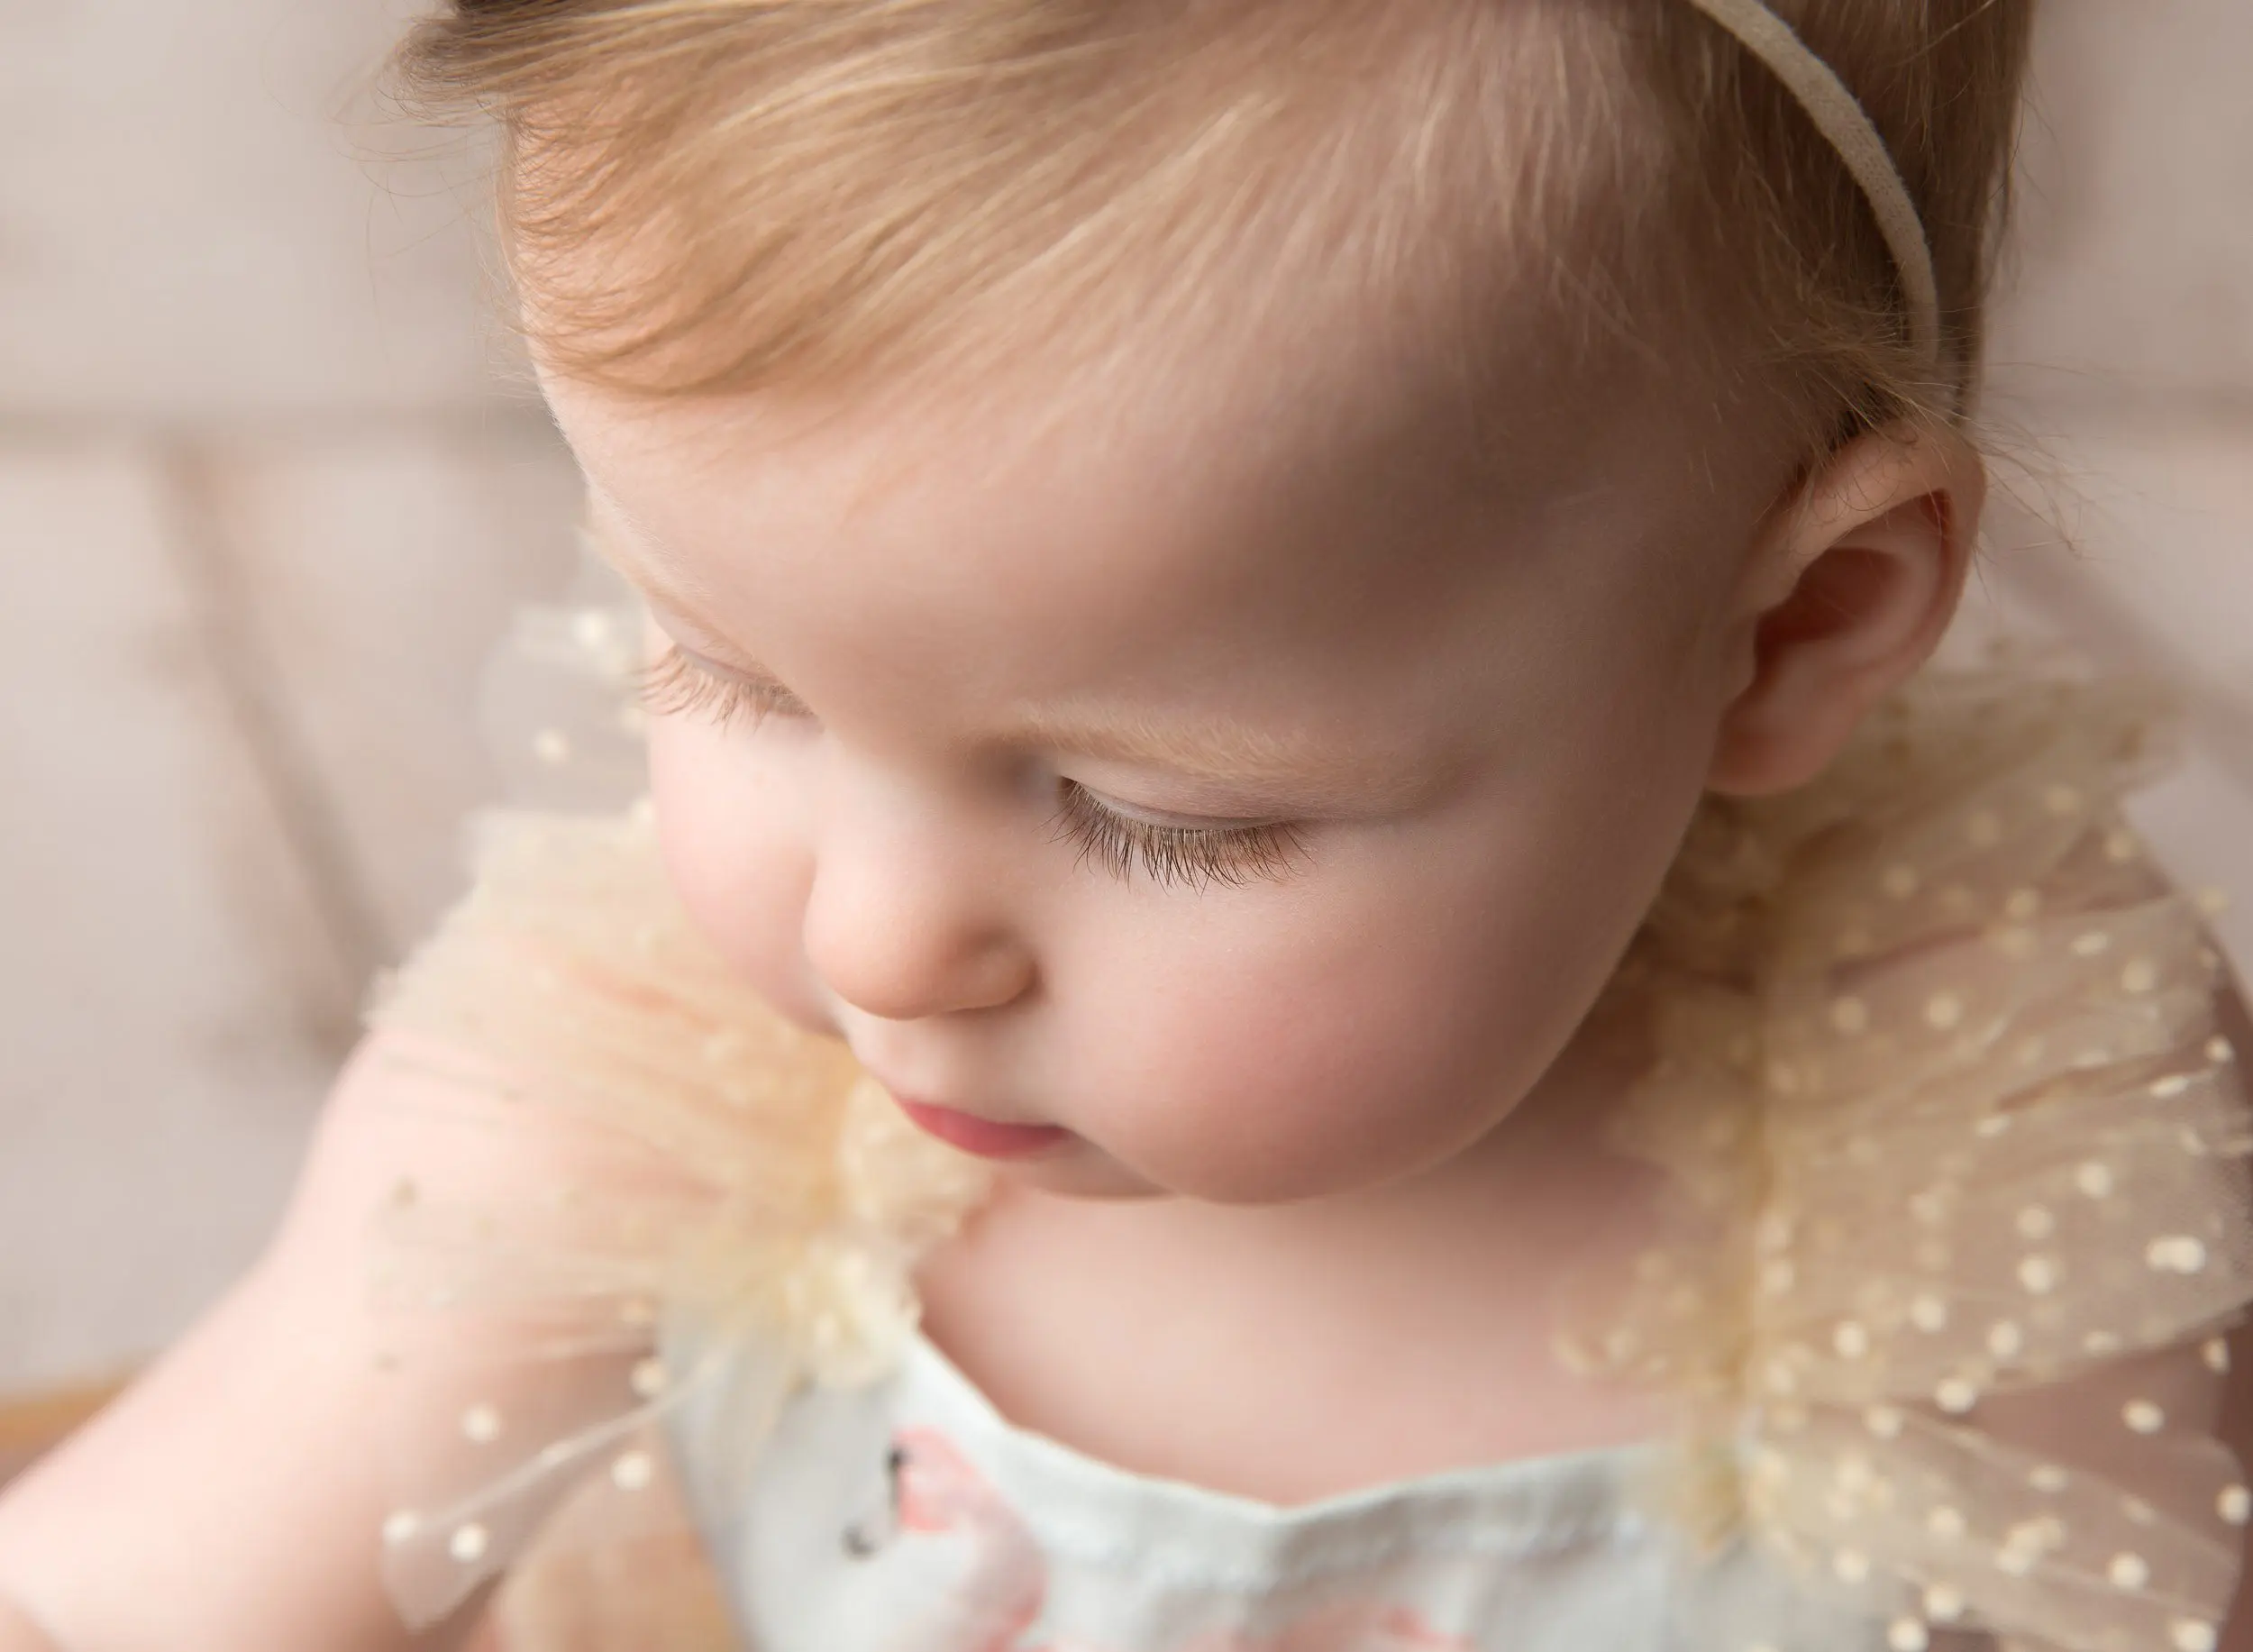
(1955, 1150)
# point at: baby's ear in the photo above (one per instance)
(1848, 587)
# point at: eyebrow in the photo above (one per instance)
(1214, 749)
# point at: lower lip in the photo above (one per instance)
(986, 1139)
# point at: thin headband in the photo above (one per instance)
(1840, 117)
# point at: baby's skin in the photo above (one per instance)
(1213, 763)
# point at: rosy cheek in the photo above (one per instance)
(1375, 1029)
(736, 861)
(1301, 1071)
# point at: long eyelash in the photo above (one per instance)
(1196, 856)
(674, 685)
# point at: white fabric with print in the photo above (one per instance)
(909, 1516)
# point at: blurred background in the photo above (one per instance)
(270, 482)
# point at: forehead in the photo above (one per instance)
(996, 476)
(1282, 551)
(1096, 517)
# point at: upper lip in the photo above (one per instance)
(909, 1099)
(967, 1112)
(907, 1095)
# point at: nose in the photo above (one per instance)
(903, 921)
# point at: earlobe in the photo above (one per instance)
(1846, 592)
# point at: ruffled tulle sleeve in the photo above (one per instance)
(1957, 1156)
(684, 1170)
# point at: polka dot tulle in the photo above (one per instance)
(700, 1156)
(1957, 1150)
(1956, 1145)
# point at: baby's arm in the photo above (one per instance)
(231, 1500)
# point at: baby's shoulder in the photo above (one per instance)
(1949, 1094)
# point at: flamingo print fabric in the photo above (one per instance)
(911, 1517)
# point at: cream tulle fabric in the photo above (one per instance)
(708, 1160)
(712, 1162)
(1956, 1146)
(1955, 1137)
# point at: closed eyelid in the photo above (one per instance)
(754, 678)
(1321, 774)
(1199, 851)
(763, 681)
(1234, 771)
(698, 644)
(1178, 819)
(1198, 856)
(1307, 772)
(1318, 777)
(676, 682)
(1197, 752)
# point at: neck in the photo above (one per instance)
(1222, 1314)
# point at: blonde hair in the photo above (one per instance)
(794, 192)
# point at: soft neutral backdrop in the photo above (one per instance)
(269, 484)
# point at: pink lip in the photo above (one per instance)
(982, 1136)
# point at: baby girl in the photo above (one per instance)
(1307, 966)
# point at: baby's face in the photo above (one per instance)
(1237, 790)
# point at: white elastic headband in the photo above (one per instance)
(1840, 117)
